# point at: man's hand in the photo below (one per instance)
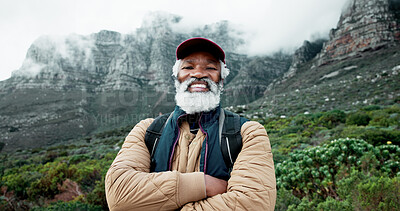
(214, 185)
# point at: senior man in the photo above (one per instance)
(192, 159)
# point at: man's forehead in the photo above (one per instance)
(200, 56)
(193, 60)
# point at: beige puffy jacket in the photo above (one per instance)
(130, 186)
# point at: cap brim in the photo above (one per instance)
(198, 44)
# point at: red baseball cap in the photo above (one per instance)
(197, 44)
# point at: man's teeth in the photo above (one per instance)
(198, 86)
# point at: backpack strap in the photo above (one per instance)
(154, 132)
(230, 137)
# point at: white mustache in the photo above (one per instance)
(185, 84)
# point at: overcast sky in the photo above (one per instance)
(270, 25)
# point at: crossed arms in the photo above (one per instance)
(130, 186)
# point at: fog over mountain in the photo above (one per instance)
(70, 86)
(266, 26)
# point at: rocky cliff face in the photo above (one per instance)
(357, 66)
(70, 86)
(253, 77)
(304, 54)
(364, 25)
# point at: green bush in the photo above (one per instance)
(19, 182)
(393, 109)
(98, 195)
(358, 118)
(54, 173)
(69, 206)
(276, 124)
(332, 118)
(284, 199)
(352, 131)
(386, 117)
(379, 193)
(305, 205)
(376, 136)
(86, 175)
(292, 129)
(370, 192)
(371, 108)
(78, 158)
(315, 172)
(333, 205)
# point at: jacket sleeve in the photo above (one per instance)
(252, 185)
(130, 186)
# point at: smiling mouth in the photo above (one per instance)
(198, 87)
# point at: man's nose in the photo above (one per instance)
(198, 72)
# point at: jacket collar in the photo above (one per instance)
(207, 118)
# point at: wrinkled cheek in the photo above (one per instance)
(182, 76)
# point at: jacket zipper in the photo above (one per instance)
(206, 152)
(176, 141)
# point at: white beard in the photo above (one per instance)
(196, 102)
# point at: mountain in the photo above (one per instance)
(359, 65)
(77, 85)
(72, 86)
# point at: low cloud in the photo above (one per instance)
(266, 26)
(46, 51)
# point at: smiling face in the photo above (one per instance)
(198, 83)
(199, 65)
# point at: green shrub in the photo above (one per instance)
(53, 173)
(352, 131)
(87, 177)
(378, 137)
(379, 193)
(71, 205)
(98, 195)
(78, 158)
(305, 205)
(333, 205)
(314, 172)
(284, 199)
(393, 109)
(292, 129)
(385, 118)
(348, 183)
(371, 108)
(276, 124)
(358, 118)
(19, 182)
(332, 118)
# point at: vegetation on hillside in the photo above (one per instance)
(334, 160)
(348, 84)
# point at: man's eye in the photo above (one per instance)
(187, 67)
(211, 68)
